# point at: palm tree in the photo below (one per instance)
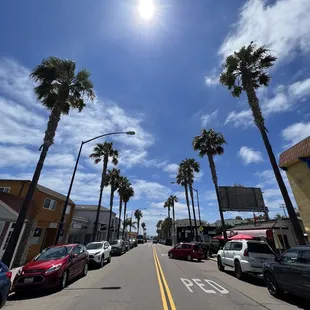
(129, 222)
(143, 226)
(158, 230)
(167, 205)
(59, 88)
(112, 179)
(246, 71)
(190, 166)
(102, 152)
(123, 185)
(210, 143)
(138, 216)
(170, 201)
(166, 226)
(127, 194)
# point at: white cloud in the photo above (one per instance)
(172, 168)
(243, 118)
(296, 132)
(150, 190)
(212, 80)
(300, 89)
(267, 24)
(206, 119)
(249, 155)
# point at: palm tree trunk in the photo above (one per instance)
(214, 179)
(173, 216)
(104, 172)
(50, 132)
(130, 226)
(168, 212)
(188, 209)
(138, 227)
(260, 123)
(110, 215)
(119, 215)
(194, 212)
(125, 209)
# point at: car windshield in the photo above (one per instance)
(94, 246)
(53, 253)
(262, 248)
(114, 242)
(140, 237)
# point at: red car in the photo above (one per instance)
(186, 250)
(52, 268)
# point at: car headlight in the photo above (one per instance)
(53, 268)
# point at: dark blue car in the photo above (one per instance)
(5, 283)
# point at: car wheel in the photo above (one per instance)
(189, 258)
(63, 280)
(102, 261)
(219, 264)
(272, 285)
(238, 271)
(199, 259)
(85, 270)
(171, 255)
(109, 259)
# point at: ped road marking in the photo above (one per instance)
(189, 284)
(163, 285)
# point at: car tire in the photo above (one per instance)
(189, 258)
(63, 280)
(219, 264)
(199, 259)
(102, 261)
(171, 255)
(238, 271)
(85, 270)
(109, 259)
(272, 285)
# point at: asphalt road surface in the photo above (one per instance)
(146, 278)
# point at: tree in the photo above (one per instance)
(166, 226)
(138, 216)
(112, 179)
(158, 226)
(238, 218)
(167, 205)
(102, 152)
(210, 143)
(129, 222)
(246, 71)
(189, 167)
(123, 185)
(59, 88)
(143, 225)
(127, 194)
(170, 202)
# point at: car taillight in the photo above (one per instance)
(9, 274)
(246, 253)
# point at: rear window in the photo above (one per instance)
(259, 248)
(196, 247)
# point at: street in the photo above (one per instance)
(145, 278)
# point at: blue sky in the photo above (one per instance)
(159, 78)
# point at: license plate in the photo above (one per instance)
(28, 280)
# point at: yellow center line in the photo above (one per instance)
(172, 305)
(161, 289)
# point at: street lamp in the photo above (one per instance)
(60, 228)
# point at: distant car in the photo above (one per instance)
(155, 241)
(133, 242)
(127, 245)
(140, 239)
(5, 283)
(52, 268)
(245, 256)
(118, 247)
(99, 252)
(289, 272)
(187, 251)
(168, 241)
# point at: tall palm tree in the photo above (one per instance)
(190, 166)
(210, 143)
(246, 71)
(123, 185)
(168, 206)
(127, 194)
(166, 226)
(143, 225)
(112, 179)
(181, 180)
(129, 222)
(59, 88)
(138, 216)
(171, 201)
(158, 230)
(102, 152)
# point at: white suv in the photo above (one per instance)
(99, 252)
(245, 256)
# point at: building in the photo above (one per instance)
(296, 163)
(231, 222)
(42, 222)
(83, 224)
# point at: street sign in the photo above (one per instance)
(201, 228)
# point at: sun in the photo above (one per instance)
(146, 9)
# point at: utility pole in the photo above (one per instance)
(283, 207)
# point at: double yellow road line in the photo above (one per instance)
(165, 293)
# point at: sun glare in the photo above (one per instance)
(146, 9)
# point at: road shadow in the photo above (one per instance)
(252, 279)
(112, 288)
(296, 301)
(189, 261)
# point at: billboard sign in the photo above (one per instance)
(243, 199)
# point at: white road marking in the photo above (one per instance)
(189, 285)
(163, 254)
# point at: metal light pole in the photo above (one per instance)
(197, 195)
(60, 227)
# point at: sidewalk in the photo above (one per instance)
(213, 257)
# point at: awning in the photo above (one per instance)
(255, 233)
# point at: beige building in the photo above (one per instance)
(296, 162)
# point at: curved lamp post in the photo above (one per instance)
(60, 227)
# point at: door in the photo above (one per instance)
(177, 251)
(74, 268)
(226, 250)
(302, 269)
(82, 253)
(6, 238)
(49, 237)
(186, 250)
(235, 249)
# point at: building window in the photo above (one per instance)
(7, 240)
(68, 209)
(5, 189)
(37, 236)
(49, 204)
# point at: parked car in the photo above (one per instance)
(127, 245)
(52, 268)
(168, 241)
(134, 242)
(205, 248)
(5, 283)
(245, 256)
(99, 252)
(140, 239)
(188, 251)
(289, 272)
(118, 247)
